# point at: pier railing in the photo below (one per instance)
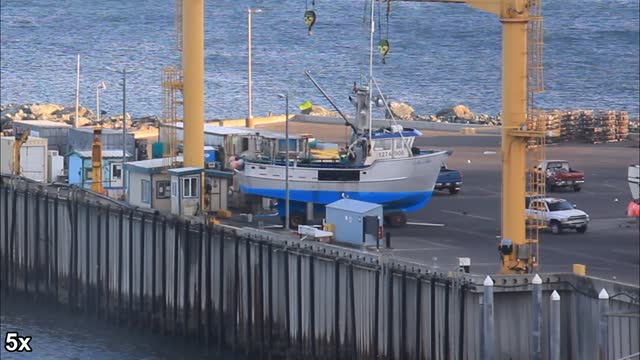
(258, 293)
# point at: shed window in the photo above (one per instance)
(88, 174)
(190, 187)
(116, 171)
(174, 189)
(145, 191)
(163, 190)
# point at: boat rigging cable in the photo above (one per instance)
(383, 43)
(347, 122)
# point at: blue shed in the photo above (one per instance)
(80, 169)
(356, 222)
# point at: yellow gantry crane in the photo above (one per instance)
(188, 80)
(520, 130)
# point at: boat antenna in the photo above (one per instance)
(372, 24)
(347, 122)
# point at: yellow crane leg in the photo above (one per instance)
(514, 108)
(96, 162)
(193, 85)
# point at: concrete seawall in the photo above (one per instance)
(258, 293)
(420, 125)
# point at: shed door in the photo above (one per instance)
(370, 224)
(32, 162)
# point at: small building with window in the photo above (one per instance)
(149, 183)
(185, 190)
(80, 170)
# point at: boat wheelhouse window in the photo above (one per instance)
(339, 175)
(402, 143)
(384, 144)
(293, 145)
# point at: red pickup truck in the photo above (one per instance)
(560, 174)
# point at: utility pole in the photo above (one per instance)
(101, 86)
(124, 73)
(250, 11)
(124, 119)
(286, 167)
(75, 121)
(250, 95)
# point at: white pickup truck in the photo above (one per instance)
(557, 214)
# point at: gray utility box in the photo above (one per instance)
(356, 222)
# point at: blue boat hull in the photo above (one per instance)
(406, 202)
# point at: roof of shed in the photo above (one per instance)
(153, 163)
(105, 153)
(353, 205)
(43, 123)
(185, 170)
(219, 130)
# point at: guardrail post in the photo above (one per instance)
(554, 333)
(536, 317)
(603, 300)
(488, 323)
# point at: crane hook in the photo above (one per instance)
(309, 19)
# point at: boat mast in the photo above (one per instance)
(370, 71)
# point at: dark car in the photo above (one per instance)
(449, 179)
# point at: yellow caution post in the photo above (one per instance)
(580, 269)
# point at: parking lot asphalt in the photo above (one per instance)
(468, 224)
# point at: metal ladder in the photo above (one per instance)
(171, 90)
(536, 123)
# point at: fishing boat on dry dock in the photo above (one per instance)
(380, 166)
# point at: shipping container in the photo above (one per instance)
(33, 157)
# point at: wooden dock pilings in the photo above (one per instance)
(260, 295)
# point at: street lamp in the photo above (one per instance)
(124, 73)
(286, 167)
(250, 11)
(101, 86)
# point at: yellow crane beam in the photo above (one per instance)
(514, 16)
(193, 86)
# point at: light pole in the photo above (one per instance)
(250, 11)
(101, 86)
(124, 73)
(286, 167)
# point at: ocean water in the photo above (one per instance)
(441, 54)
(58, 334)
